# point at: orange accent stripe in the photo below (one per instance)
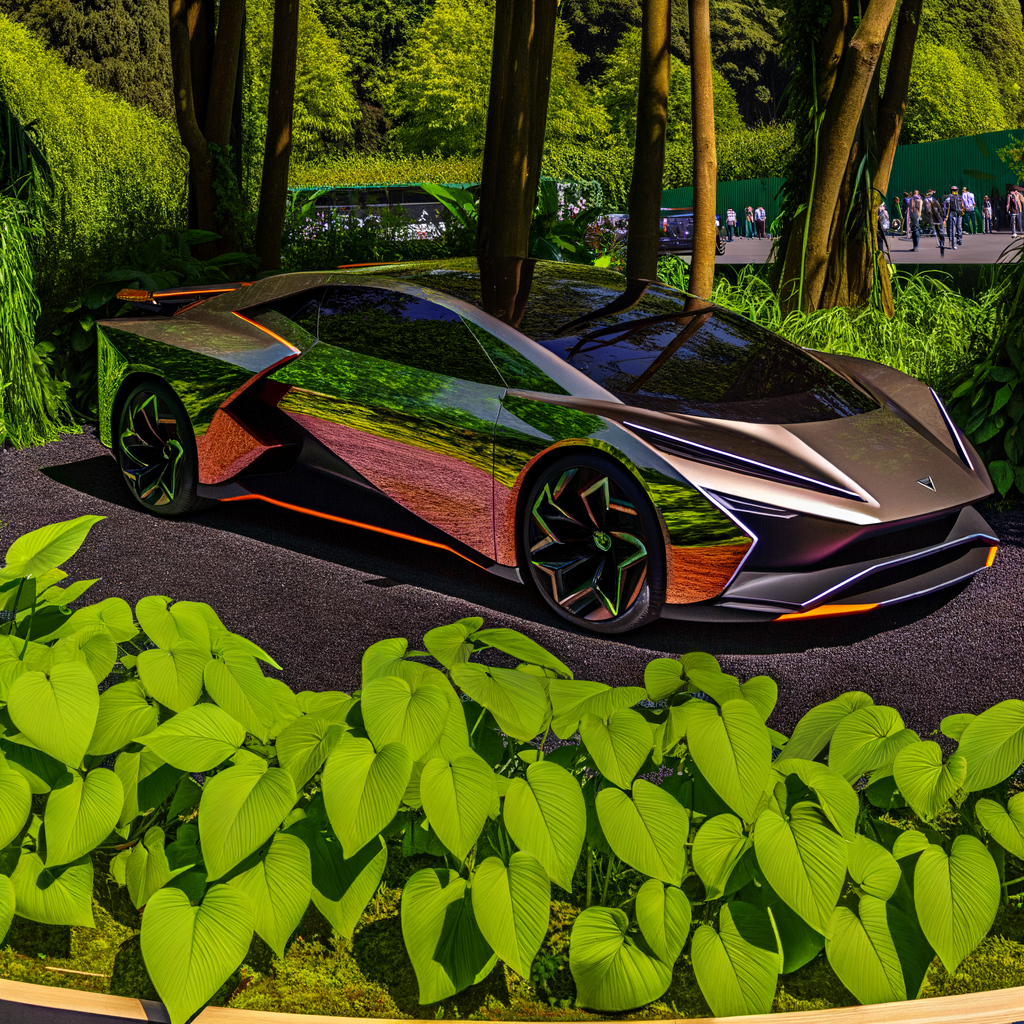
(267, 330)
(991, 556)
(192, 291)
(353, 522)
(825, 610)
(379, 263)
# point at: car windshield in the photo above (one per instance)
(713, 364)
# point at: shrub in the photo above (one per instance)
(225, 802)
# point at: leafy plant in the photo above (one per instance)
(225, 803)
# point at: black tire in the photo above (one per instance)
(574, 530)
(156, 450)
(720, 246)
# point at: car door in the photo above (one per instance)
(399, 389)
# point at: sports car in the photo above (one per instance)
(654, 461)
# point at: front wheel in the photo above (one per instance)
(593, 545)
(156, 450)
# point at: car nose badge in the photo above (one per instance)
(926, 481)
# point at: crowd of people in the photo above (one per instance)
(948, 217)
(755, 223)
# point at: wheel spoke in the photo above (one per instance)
(152, 457)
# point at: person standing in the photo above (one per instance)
(883, 226)
(968, 197)
(749, 213)
(986, 215)
(905, 210)
(1013, 211)
(933, 211)
(730, 223)
(914, 216)
(759, 218)
(953, 208)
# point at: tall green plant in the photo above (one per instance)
(224, 803)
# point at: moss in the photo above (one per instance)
(997, 963)
(814, 987)
(39, 940)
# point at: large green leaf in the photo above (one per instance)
(618, 744)
(166, 626)
(512, 906)
(867, 739)
(237, 684)
(545, 815)
(737, 967)
(81, 815)
(327, 704)
(450, 644)
(444, 943)
(342, 888)
(190, 951)
(664, 915)
(648, 832)
(814, 731)
(568, 698)
(239, 811)
(15, 802)
(800, 942)
(124, 714)
(92, 647)
(174, 676)
(861, 950)
(763, 693)
(993, 745)
(304, 745)
(956, 897)
(57, 712)
(457, 798)
(383, 658)
(363, 788)
(732, 750)
(836, 797)
(39, 551)
(873, 867)
(612, 973)
(278, 888)
(803, 860)
(1005, 824)
(908, 843)
(397, 710)
(7, 903)
(663, 677)
(197, 739)
(113, 613)
(61, 895)
(516, 699)
(924, 781)
(717, 849)
(148, 869)
(511, 641)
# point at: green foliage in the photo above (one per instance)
(241, 848)
(1013, 157)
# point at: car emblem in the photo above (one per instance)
(926, 481)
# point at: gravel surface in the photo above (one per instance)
(315, 594)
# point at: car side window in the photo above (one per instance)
(516, 370)
(403, 329)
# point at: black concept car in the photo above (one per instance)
(651, 462)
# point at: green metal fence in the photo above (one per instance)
(738, 195)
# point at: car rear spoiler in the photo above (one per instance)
(169, 301)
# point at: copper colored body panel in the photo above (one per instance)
(227, 448)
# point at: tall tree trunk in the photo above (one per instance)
(278, 148)
(705, 161)
(649, 149)
(524, 34)
(897, 85)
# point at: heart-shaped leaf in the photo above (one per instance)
(836, 797)
(512, 906)
(732, 750)
(39, 551)
(457, 798)
(662, 678)
(60, 895)
(124, 714)
(190, 951)
(304, 745)
(648, 832)
(545, 815)
(197, 739)
(924, 781)
(763, 693)
(861, 950)
(514, 643)
(397, 710)
(803, 860)
(57, 712)
(717, 849)
(239, 811)
(664, 915)
(363, 788)
(612, 973)
(444, 943)
(147, 868)
(993, 745)
(867, 739)
(568, 697)
(92, 647)
(908, 843)
(167, 626)
(334, 707)
(383, 658)
(873, 867)
(449, 644)
(236, 683)
(814, 731)
(953, 726)
(278, 889)
(81, 815)
(1005, 824)
(15, 802)
(174, 676)
(516, 699)
(737, 967)
(114, 614)
(619, 744)
(956, 897)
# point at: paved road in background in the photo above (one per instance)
(315, 594)
(991, 248)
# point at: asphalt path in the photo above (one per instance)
(316, 594)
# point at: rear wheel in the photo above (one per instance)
(156, 450)
(592, 544)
